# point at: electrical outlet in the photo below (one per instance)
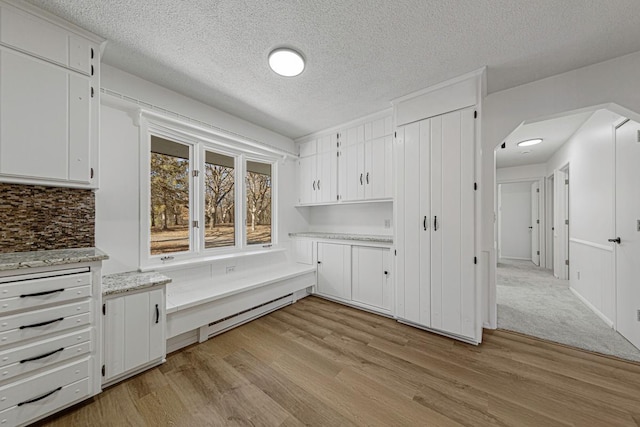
(387, 223)
(231, 269)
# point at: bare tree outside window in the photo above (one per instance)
(219, 197)
(169, 176)
(258, 188)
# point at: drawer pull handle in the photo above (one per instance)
(157, 314)
(51, 353)
(35, 325)
(40, 398)
(39, 294)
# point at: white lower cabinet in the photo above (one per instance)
(334, 270)
(134, 333)
(49, 345)
(371, 284)
(359, 275)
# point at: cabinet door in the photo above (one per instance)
(45, 116)
(378, 182)
(371, 277)
(307, 180)
(351, 186)
(327, 172)
(157, 340)
(334, 270)
(133, 331)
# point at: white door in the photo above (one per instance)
(628, 230)
(334, 270)
(370, 284)
(327, 174)
(452, 236)
(535, 223)
(414, 299)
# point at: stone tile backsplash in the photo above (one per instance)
(41, 218)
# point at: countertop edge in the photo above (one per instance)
(50, 258)
(372, 238)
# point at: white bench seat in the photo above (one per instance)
(195, 304)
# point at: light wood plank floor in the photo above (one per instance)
(320, 363)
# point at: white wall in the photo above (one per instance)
(359, 218)
(503, 111)
(515, 219)
(519, 173)
(590, 155)
(117, 200)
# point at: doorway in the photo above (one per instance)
(564, 289)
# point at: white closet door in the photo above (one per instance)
(327, 166)
(388, 168)
(452, 269)
(424, 228)
(376, 171)
(412, 220)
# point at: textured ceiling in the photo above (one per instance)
(361, 53)
(554, 132)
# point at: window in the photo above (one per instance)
(205, 198)
(219, 200)
(258, 188)
(169, 212)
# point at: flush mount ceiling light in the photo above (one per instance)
(529, 142)
(286, 62)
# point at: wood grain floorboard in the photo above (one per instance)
(320, 363)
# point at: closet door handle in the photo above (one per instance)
(318, 184)
(314, 184)
(616, 240)
(157, 314)
(367, 177)
(435, 223)
(360, 179)
(424, 223)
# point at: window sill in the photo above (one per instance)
(171, 265)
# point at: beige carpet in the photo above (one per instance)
(533, 302)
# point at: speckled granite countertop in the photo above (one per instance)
(33, 259)
(373, 238)
(131, 281)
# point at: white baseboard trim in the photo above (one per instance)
(598, 313)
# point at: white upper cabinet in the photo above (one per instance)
(49, 100)
(318, 171)
(365, 161)
(349, 165)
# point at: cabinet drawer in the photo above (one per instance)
(37, 299)
(18, 415)
(34, 356)
(33, 286)
(44, 318)
(15, 335)
(21, 392)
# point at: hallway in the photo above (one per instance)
(533, 302)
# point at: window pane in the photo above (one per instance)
(169, 196)
(219, 200)
(258, 182)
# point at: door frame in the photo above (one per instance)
(541, 207)
(548, 217)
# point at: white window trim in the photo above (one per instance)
(200, 139)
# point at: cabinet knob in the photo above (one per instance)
(386, 273)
